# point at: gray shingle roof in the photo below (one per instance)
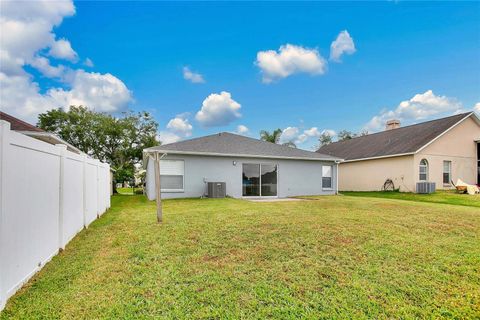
(403, 140)
(226, 143)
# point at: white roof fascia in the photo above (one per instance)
(237, 155)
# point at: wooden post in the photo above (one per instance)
(158, 188)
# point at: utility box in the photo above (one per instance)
(217, 189)
(425, 187)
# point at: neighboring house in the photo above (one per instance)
(35, 132)
(249, 167)
(437, 151)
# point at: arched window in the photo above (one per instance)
(423, 170)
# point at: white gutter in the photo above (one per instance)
(148, 151)
(337, 176)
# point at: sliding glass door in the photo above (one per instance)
(268, 180)
(259, 180)
(251, 180)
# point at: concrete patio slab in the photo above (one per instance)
(275, 199)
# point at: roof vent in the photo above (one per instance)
(392, 124)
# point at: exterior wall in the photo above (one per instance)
(295, 177)
(458, 146)
(370, 175)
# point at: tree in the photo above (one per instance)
(324, 139)
(274, 137)
(290, 144)
(117, 140)
(345, 135)
(362, 133)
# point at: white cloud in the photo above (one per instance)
(476, 108)
(218, 110)
(289, 59)
(330, 132)
(342, 45)
(313, 132)
(43, 65)
(192, 76)
(289, 134)
(27, 28)
(88, 63)
(297, 136)
(180, 126)
(101, 92)
(21, 97)
(166, 137)
(421, 106)
(27, 34)
(62, 49)
(241, 129)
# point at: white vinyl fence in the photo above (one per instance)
(47, 195)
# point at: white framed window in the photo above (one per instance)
(423, 170)
(327, 173)
(447, 172)
(172, 175)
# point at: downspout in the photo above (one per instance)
(337, 177)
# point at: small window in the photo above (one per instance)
(423, 170)
(172, 175)
(327, 177)
(447, 172)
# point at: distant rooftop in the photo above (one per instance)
(17, 124)
(35, 132)
(229, 144)
(403, 140)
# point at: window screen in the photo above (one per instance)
(447, 172)
(327, 177)
(423, 170)
(172, 175)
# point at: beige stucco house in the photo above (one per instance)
(439, 151)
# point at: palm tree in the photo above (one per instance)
(274, 137)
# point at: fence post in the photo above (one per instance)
(109, 187)
(97, 164)
(61, 196)
(84, 191)
(4, 142)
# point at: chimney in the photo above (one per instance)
(392, 124)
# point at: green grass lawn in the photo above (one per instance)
(331, 257)
(448, 197)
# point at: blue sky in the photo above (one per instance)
(423, 56)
